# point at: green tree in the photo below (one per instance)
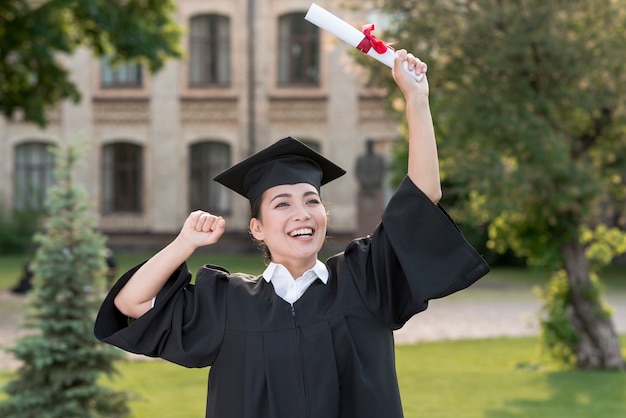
(62, 361)
(528, 101)
(35, 33)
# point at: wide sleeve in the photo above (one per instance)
(417, 253)
(185, 326)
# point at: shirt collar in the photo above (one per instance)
(318, 268)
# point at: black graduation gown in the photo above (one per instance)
(332, 353)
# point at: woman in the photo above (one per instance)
(304, 339)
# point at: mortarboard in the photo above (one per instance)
(287, 161)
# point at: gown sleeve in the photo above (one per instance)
(185, 326)
(417, 253)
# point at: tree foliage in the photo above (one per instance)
(34, 34)
(528, 102)
(62, 361)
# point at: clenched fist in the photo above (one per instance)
(201, 228)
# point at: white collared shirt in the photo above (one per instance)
(289, 289)
(284, 284)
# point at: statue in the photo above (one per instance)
(370, 170)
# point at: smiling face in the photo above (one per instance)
(292, 225)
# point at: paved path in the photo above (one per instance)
(11, 314)
(489, 309)
(484, 310)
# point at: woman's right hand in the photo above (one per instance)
(201, 229)
(136, 297)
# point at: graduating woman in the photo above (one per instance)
(306, 338)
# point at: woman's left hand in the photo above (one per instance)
(405, 81)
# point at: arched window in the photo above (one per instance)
(298, 51)
(122, 172)
(33, 175)
(209, 51)
(207, 159)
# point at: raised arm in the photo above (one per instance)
(423, 158)
(200, 229)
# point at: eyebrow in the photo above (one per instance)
(309, 193)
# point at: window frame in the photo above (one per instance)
(123, 162)
(32, 160)
(215, 42)
(207, 159)
(306, 72)
(120, 74)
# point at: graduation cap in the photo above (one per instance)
(287, 161)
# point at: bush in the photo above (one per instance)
(17, 228)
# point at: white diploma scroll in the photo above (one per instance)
(341, 29)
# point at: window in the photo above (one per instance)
(207, 159)
(34, 174)
(121, 178)
(298, 51)
(119, 75)
(209, 51)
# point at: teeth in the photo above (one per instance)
(301, 231)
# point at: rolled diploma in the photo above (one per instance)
(341, 29)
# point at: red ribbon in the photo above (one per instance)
(371, 42)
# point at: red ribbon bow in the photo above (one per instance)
(371, 42)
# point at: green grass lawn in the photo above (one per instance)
(11, 269)
(494, 378)
(11, 265)
(502, 378)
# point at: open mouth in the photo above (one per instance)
(301, 232)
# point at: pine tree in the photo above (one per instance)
(62, 362)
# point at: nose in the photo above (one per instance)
(302, 217)
(302, 214)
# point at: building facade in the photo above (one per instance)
(253, 72)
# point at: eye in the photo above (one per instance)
(281, 205)
(313, 201)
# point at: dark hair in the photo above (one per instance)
(255, 212)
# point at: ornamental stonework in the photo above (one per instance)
(296, 110)
(372, 110)
(122, 111)
(209, 110)
(53, 116)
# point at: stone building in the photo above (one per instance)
(253, 72)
